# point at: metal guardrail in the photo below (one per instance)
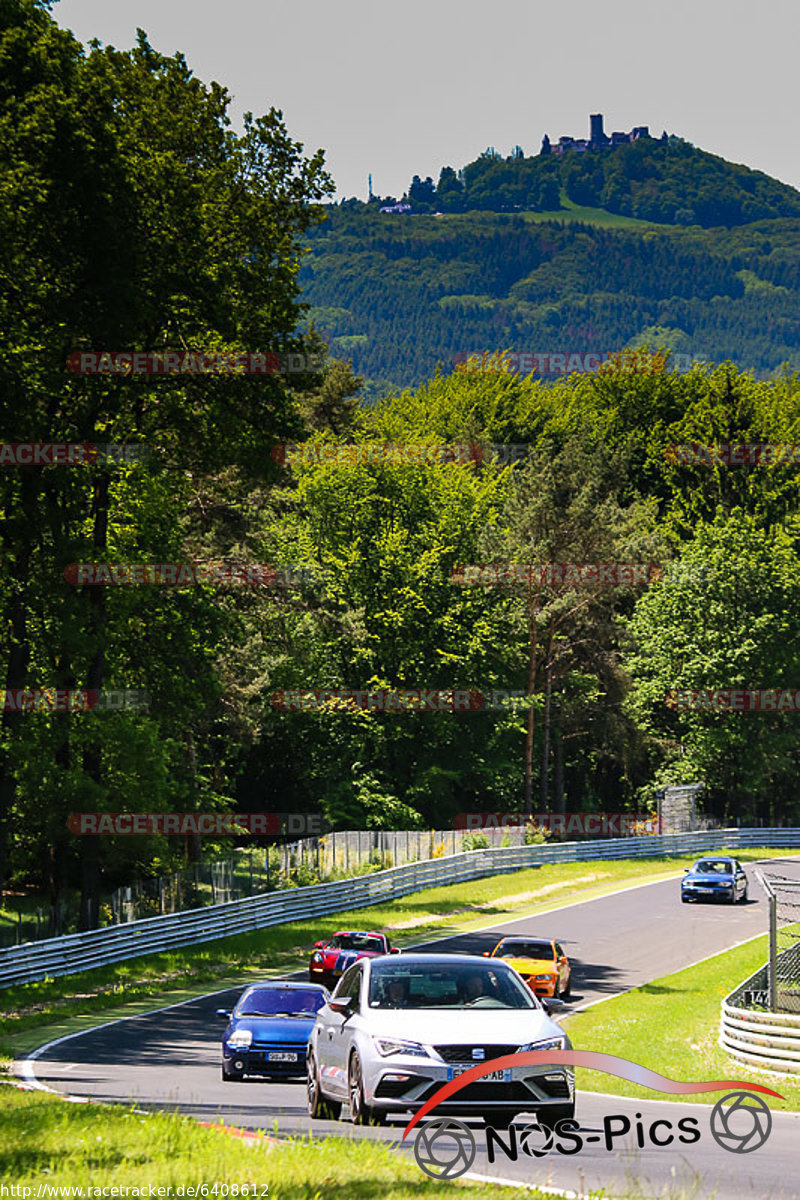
(756, 1037)
(68, 955)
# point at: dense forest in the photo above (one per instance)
(401, 295)
(194, 239)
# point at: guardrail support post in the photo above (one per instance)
(773, 952)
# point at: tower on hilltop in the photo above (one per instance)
(596, 135)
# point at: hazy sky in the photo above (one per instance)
(403, 87)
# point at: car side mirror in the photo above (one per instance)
(686, 870)
(224, 1014)
(318, 945)
(343, 1005)
(551, 1004)
(394, 950)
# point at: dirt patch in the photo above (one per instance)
(514, 898)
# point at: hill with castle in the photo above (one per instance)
(590, 245)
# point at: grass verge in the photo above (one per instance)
(677, 1019)
(47, 1141)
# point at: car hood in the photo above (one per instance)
(273, 1029)
(533, 966)
(478, 1027)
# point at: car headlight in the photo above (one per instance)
(386, 1046)
(556, 1043)
(240, 1039)
(315, 958)
(543, 978)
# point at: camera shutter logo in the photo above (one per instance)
(740, 1122)
(444, 1148)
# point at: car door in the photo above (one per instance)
(563, 967)
(740, 878)
(337, 1033)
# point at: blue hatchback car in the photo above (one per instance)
(714, 878)
(268, 1030)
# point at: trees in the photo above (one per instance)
(131, 217)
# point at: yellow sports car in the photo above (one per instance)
(541, 962)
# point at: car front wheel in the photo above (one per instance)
(360, 1112)
(320, 1108)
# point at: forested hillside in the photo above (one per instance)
(402, 293)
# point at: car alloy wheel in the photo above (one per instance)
(319, 1107)
(360, 1112)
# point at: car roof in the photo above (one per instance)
(411, 959)
(358, 933)
(281, 985)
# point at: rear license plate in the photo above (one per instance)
(492, 1077)
(274, 1056)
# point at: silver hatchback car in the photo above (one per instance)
(397, 1029)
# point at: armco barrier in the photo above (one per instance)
(760, 1039)
(82, 951)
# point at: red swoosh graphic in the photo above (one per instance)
(595, 1061)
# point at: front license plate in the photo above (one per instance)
(274, 1056)
(705, 891)
(492, 1077)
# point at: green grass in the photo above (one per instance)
(48, 1141)
(570, 212)
(671, 1025)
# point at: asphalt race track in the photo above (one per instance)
(169, 1060)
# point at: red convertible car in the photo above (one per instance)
(332, 958)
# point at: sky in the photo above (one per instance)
(406, 87)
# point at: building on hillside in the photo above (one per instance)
(597, 139)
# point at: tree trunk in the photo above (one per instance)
(92, 757)
(558, 754)
(533, 612)
(20, 542)
(548, 688)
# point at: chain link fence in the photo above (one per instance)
(782, 991)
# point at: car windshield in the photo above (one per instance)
(523, 948)
(714, 866)
(456, 985)
(269, 1002)
(357, 941)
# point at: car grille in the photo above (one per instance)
(280, 1047)
(389, 1089)
(464, 1054)
(557, 1088)
(484, 1091)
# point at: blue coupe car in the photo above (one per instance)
(268, 1030)
(714, 879)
